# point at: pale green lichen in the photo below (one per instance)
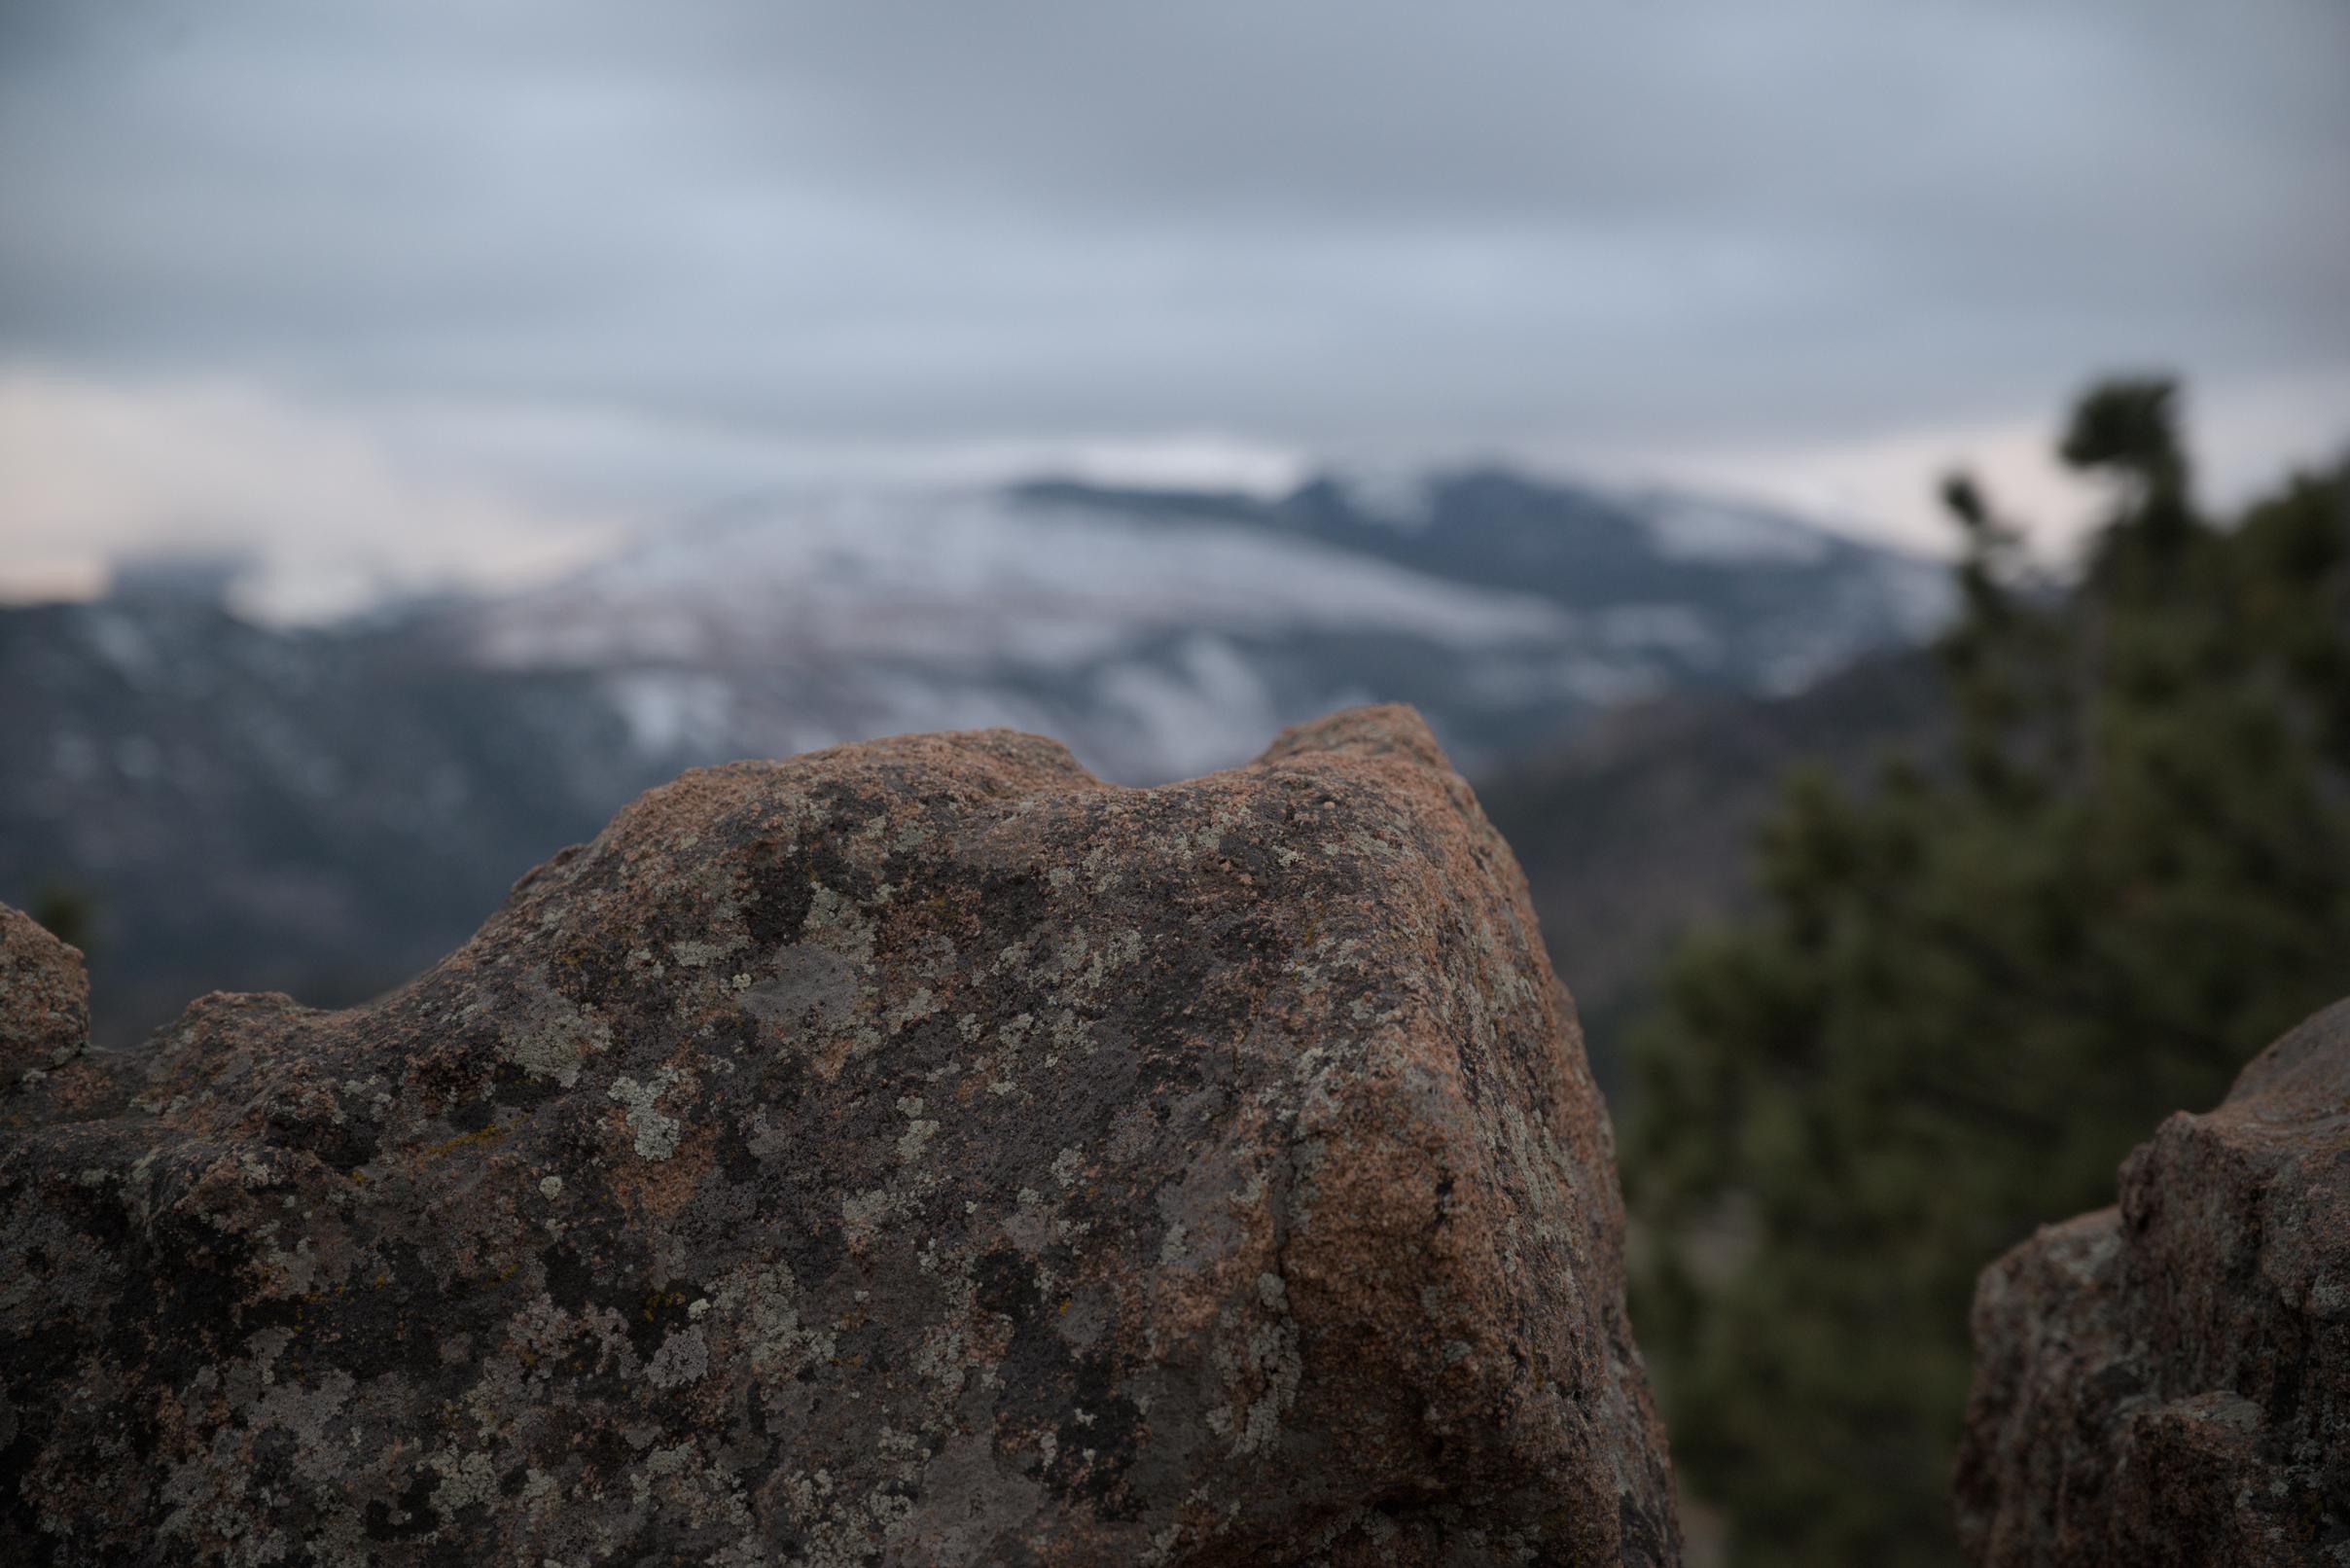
(916, 1007)
(1267, 1364)
(683, 1358)
(554, 1037)
(918, 1130)
(657, 1135)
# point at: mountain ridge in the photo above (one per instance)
(253, 807)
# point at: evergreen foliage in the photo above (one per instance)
(1975, 986)
(67, 914)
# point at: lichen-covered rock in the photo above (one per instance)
(916, 1152)
(44, 1000)
(2169, 1382)
(48, 1072)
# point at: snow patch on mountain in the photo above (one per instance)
(669, 710)
(975, 581)
(1917, 594)
(1402, 499)
(1204, 708)
(1699, 528)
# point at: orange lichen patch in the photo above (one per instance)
(479, 1138)
(652, 1193)
(833, 1054)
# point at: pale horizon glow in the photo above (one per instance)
(486, 501)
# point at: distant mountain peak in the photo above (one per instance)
(346, 789)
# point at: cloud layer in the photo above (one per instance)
(795, 234)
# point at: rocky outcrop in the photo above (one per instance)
(46, 1070)
(915, 1152)
(46, 1023)
(2169, 1382)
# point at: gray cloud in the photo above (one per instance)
(1317, 222)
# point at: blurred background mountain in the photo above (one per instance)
(324, 810)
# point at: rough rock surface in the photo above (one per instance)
(46, 1072)
(915, 1152)
(46, 1020)
(2169, 1382)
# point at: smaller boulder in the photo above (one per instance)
(2167, 1382)
(44, 1000)
(48, 1072)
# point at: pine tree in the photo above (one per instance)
(1975, 987)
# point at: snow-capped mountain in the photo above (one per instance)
(1164, 633)
(324, 810)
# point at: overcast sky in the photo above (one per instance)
(405, 288)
